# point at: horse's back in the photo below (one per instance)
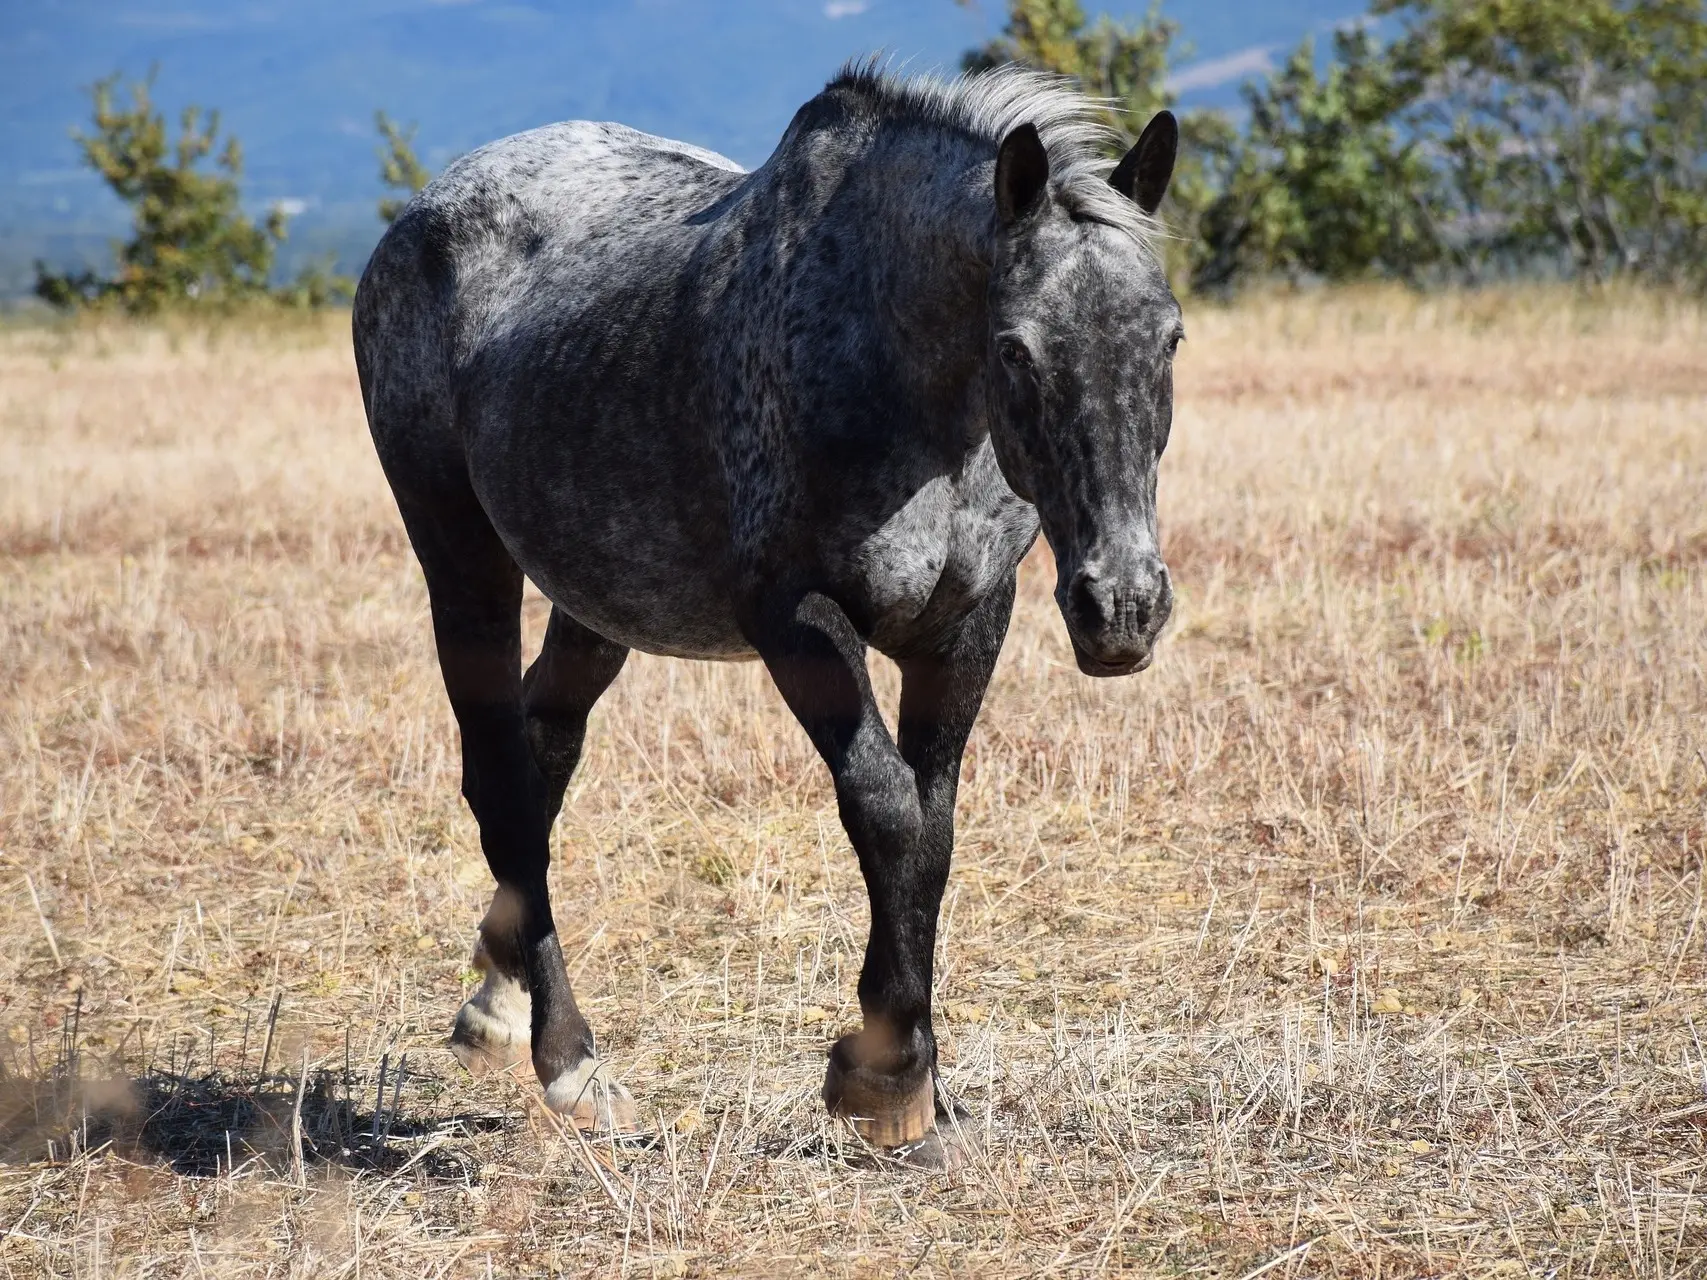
(554, 202)
(560, 190)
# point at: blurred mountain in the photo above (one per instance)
(298, 82)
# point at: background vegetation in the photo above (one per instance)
(191, 244)
(399, 168)
(1439, 140)
(1435, 141)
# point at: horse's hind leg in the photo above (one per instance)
(476, 592)
(575, 666)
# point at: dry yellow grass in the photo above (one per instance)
(1362, 936)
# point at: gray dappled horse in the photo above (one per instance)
(785, 414)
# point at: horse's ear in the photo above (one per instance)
(1143, 173)
(1022, 173)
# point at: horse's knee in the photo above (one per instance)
(879, 802)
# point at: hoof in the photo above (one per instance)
(494, 1029)
(591, 1101)
(951, 1145)
(936, 1152)
(888, 1110)
(481, 1053)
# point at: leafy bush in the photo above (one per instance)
(1571, 134)
(1484, 137)
(1322, 182)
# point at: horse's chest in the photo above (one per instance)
(928, 564)
(896, 569)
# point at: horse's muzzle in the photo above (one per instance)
(1115, 612)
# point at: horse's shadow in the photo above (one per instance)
(208, 1124)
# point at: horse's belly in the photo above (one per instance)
(684, 620)
(615, 519)
(631, 570)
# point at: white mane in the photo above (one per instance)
(990, 104)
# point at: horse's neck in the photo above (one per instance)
(922, 227)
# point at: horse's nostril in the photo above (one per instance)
(1087, 600)
(1164, 605)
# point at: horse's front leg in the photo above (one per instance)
(941, 693)
(897, 805)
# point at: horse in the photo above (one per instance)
(788, 414)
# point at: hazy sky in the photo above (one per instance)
(298, 81)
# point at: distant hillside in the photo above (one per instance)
(298, 83)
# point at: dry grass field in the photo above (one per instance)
(1362, 936)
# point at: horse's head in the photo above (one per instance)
(1082, 335)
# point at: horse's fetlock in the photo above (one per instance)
(494, 1027)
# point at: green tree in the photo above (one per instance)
(190, 239)
(1126, 65)
(1322, 183)
(399, 168)
(1573, 132)
(1487, 136)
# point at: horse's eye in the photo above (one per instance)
(1173, 342)
(1014, 354)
